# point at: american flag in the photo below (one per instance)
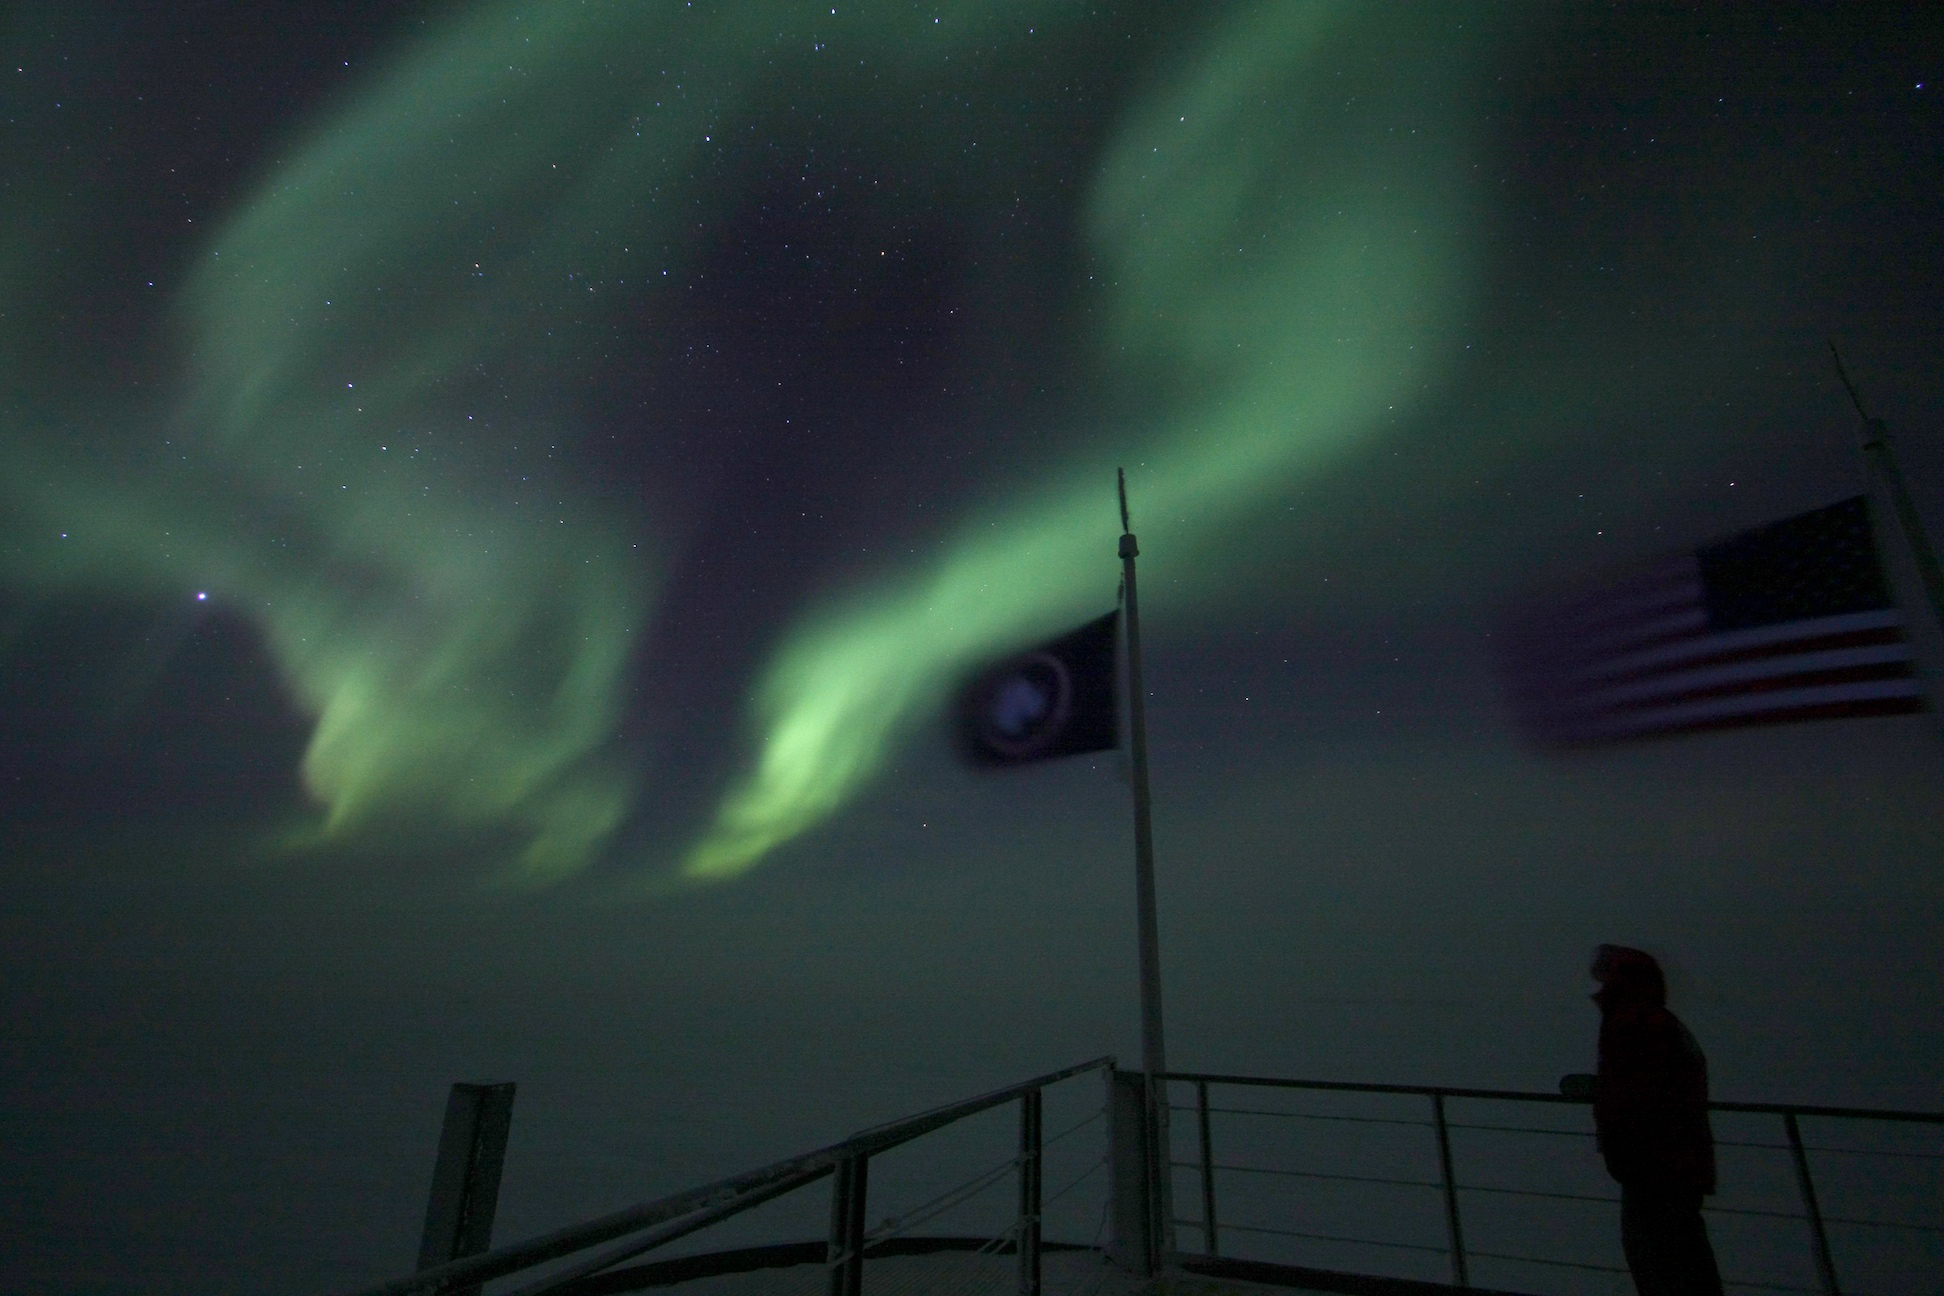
(1790, 621)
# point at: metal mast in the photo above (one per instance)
(1153, 1054)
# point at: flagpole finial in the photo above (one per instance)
(1120, 479)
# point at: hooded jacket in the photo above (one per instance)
(1650, 1099)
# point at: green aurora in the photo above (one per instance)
(1284, 215)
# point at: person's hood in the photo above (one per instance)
(1628, 976)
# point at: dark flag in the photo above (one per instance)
(1053, 700)
(1790, 621)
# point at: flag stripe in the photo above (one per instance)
(1673, 617)
(1883, 661)
(1880, 697)
(1855, 630)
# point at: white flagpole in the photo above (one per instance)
(1153, 1054)
(1914, 561)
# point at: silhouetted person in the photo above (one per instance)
(1650, 1107)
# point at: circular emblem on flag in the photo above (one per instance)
(1023, 706)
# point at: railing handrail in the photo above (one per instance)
(1516, 1095)
(803, 1169)
(882, 1138)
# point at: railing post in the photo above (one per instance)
(845, 1255)
(1029, 1193)
(1159, 1143)
(1825, 1267)
(1458, 1276)
(466, 1177)
(1209, 1243)
(1130, 1164)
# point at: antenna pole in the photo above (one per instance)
(1154, 1065)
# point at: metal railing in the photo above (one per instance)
(645, 1227)
(1452, 1190)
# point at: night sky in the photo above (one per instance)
(495, 499)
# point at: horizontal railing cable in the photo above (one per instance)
(1517, 1095)
(1074, 1128)
(1709, 1207)
(1876, 1223)
(1322, 1237)
(1587, 1134)
(1546, 1194)
(1562, 1133)
(1308, 1174)
(1839, 1151)
(1597, 1198)
(1073, 1183)
(1542, 1260)
(1557, 1133)
(662, 1236)
(962, 1283)
(1488, 1255)
(898, 1225)
(1520, 1129)
(1538, 1192)
(1359, 1086)
(1289, 1115)
(1827, 1219)
(1842, 1151)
